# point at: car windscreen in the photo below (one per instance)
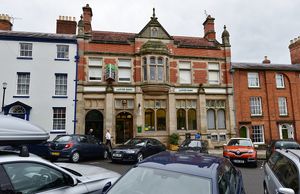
(287, 145)
(191, 144)
(65, 138)
(239, 142)
(153, 181)
(135, 142)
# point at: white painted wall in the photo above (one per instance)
(42, 70)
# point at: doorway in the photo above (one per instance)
(286, 131)
(124, 127)
(244, 132)
(94, 120)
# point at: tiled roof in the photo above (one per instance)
(185, 41)
(38, 36)
(262, 66)
(125, 38)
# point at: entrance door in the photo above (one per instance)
(124, 127)
(243, 132)
(286, 131)
(94, 120)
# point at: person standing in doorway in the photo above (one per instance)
(90, 132)
(108, 139)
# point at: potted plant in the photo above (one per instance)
(174, 141)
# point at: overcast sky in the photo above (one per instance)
(257, 27)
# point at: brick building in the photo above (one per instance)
(267, 100)
(153, 84)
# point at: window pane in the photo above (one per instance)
(184, 65)
(62, 51)
(213, 77)
(95, 62)
(160, 73)
(282, 106)
(149, 120)
(95, 73)
(255, 106)
(181, 122)
(192, 121)
(25, 49)
(213, 66)
(185, 76)
(61, 84)
(59, 118)
(124, 74)
(23, 83)
(221, 119)
(160, 60)
(258, 134)
(124, 63)
(279, 81)
(253, 80)
(211, 119)
(161, 120)
(152, 72)
(152, 60)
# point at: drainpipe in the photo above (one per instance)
(76, 81)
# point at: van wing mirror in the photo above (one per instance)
(286, 191)
(106, 187)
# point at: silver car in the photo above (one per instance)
(282, 172)
(32, 174)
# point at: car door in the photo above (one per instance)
(5, 184)
(83, 146)
(33, 177)
(272, 170)
(95, 147)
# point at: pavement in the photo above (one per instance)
(261, 154)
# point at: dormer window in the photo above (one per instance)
(154, 32)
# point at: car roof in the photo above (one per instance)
(13, 156)
(240, 138)
(293, 154)
(197, 164)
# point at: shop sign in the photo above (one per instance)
(186, 90)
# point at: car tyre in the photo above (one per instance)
(140, 157)
(105, 154)
(75, 157)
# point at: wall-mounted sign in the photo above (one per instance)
(186, 90)
(124, 89)
(110, 72)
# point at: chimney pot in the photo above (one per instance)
(5, 22)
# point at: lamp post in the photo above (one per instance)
(4, 85)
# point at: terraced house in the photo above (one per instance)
(152, 84)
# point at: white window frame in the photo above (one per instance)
(261, 134)
(282, 106)
(26, 49)
(126, 68)
(61, 84)
(62, 51)
(23, 83)
(280, 81)
(253, 80)
(185, 67)
(93, 65)
(255, 106)
(59, 119)
(213, 68)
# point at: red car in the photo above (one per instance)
(240, 151)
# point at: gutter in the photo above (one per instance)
(76, 81)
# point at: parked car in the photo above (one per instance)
(194, 145)
(41, 149)
(240, 151)
(281, 144)
(282, 172)
(77, 147)
(136, 149)
(181, 172)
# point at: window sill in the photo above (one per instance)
(17, 96)
(61, 59)
(254, 87)
(59, 96)
(256, 116)
(284, 115)
(280, 88)
(25, 58)
(53, 131)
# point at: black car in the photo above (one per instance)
(136, 149)
(194, 145)
(181, 172)
(77, 147)
(281, 144)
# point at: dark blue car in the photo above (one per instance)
(181, 173)
(77, 147)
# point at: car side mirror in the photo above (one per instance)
(286, 191)
(70, 180)
(106, 187)
(224, 144)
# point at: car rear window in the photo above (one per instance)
(287, 145)
(65, 138)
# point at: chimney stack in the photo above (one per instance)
(5, 22)
(266, 60)
(209, 28)
(66, 25)
(295, 50)
(87, 18)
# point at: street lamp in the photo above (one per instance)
(4, 85)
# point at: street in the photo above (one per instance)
(252, 177)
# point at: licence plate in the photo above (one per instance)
(239, 161)
(117, 155)
(55, 153)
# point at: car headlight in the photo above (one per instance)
(130, 151)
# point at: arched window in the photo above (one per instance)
(181, 123)
(192, 121)
(221, 119)
(161, 119)
(211, 121)
(149, 120)
(145, 67)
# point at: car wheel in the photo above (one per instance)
(105, 154)
(140, 157)
(75, 157)
(265, 189)
(254, 165)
